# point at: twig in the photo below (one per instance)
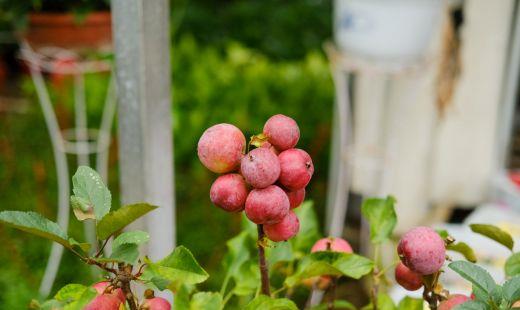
(332, 293)
(264, 272)
(102, 247)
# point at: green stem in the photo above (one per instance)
(224, 285)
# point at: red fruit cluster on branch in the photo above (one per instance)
(108, 298)
(267, 182)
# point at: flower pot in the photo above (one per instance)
(386, 29)
(66, 31)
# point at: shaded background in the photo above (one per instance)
(232, 61)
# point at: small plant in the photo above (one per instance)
(260, 271)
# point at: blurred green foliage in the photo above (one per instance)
(233, 61)
(278, 29)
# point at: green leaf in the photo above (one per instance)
(237, 254)
(512, 266)
(511, 289)
(443, 233)
(182, 299)
(464, 249)
(131, 237)
(87, 296)
(120, 218)
(279, 252)
(89, 187)
(35, 224)
(494, 233)
(337, 304)
(247, 279)
(50, 305)
(475, 274)
(472, 305)
(309, 228)
(206, 301)
(263, 302)
(380, 214)
(479, 294)
(180, 267)
(83, 246)
(70, 292)
(81, 208)
(409, 303)
(331, 263)
(384, 302)
(127, 253)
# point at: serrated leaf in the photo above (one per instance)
(81, 208)
(511, 289)
(263, 302)
(88, 185)
(309, 229)
(206, 301)
(464, 249)
(472, 305)
(70, 292)
(180, 267)
(120, 218)
(380, 214)
(409, 303)
(88, 295)
(475, 274)
(127, 253)
(512, 266)
(330, 263)
(131, 237)
(494, 233)
(35, 224)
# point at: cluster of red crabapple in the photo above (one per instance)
(267, 182)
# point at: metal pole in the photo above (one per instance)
(142, 46)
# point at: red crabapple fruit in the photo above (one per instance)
(101, 287)
(260, 167)
(284, 230)
(453, 301)
(221, 148)
(282, 132)
(267, 205)
(407, 278)
(156, 303)
(296, 197)
(229, 192)
(296, 169)
(332, 244)
(104, 302)
(422, 250)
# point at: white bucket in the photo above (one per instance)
(386, 29)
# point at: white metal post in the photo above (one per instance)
(142, 46)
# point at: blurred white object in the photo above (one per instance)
(399, 30)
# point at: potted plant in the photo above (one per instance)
(62, 23)
(397, 30)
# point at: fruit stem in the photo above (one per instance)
(264, 272)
